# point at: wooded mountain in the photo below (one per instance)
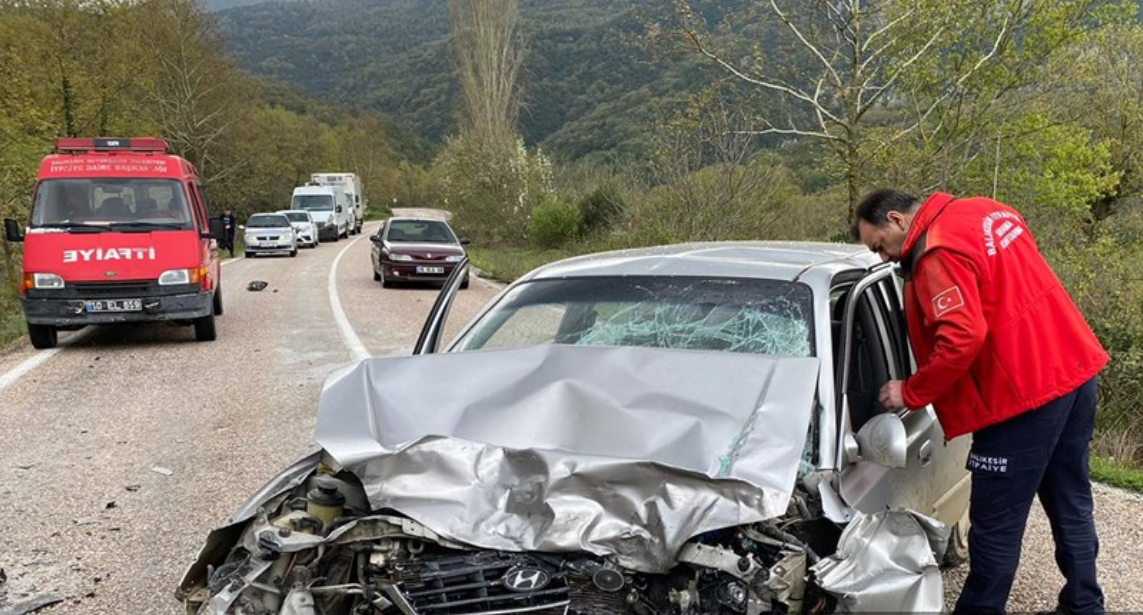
(588, 85)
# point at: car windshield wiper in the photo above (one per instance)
(77, 227)
(146, 226)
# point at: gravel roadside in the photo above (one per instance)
(1119, 522)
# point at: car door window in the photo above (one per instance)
(869, 364)
(863, 358)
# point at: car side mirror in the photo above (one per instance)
(883, 441)
(339, 209)
(241, 227)
(12, 230)
(215, 229)
(465, 241)
(375, 239)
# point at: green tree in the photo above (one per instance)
(846, 67)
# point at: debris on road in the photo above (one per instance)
(85, 521)
(31, 606)
(257, 285)
(133, 488)
(163, 471)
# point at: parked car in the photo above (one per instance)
(678, 430)
(269, 234)
(305, 228)
(407, 249)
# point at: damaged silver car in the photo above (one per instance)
(687, 430)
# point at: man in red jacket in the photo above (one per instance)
(1004, 354)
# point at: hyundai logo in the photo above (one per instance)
(526, 579)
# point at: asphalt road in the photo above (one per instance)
(121, 451)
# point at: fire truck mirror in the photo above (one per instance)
(216, 230)
(12, 230)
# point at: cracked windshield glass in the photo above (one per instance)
(731, 315)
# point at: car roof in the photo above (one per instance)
(293, 211)
(779, 260)
(265, 214)
(415, 219)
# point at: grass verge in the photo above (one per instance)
(11, 325)
(507, 264)
(1116, 474)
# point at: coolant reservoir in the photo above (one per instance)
(324, 501)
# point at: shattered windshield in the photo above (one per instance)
(111, 201)
(752, 316)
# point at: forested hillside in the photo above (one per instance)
(588, 84)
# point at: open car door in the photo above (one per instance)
(431, 334)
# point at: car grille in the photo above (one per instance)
(114, 289)
(135, 289)
(474, 584)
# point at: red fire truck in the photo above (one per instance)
(120, 232)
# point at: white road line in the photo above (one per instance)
(27, 365)
(356, 349)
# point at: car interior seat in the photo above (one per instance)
(114, 208)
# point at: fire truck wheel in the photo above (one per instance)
(218, 301)
(204, 330)
(42, 336)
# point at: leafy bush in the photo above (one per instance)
(601, 209)
(554, 222)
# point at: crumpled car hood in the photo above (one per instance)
(621, 452)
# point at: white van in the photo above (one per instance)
(351, 183)
(329, 208)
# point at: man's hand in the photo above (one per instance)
(891, 396)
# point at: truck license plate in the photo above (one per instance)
(430, 269)
(114, 305)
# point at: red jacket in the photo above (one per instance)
(994, 331)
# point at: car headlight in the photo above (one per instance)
(454, 259)
(182, 276)
(43, 281)
(250, 239)
(400, 257)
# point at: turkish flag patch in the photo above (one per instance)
(947, 301)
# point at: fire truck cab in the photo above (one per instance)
(119, 231)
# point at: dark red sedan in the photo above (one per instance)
(414, 250)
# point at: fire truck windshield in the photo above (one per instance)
(68, 203)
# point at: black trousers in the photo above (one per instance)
(1041, 452)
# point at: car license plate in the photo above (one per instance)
(430, 269)
(114, 305)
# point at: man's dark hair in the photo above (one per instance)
(875, 208)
